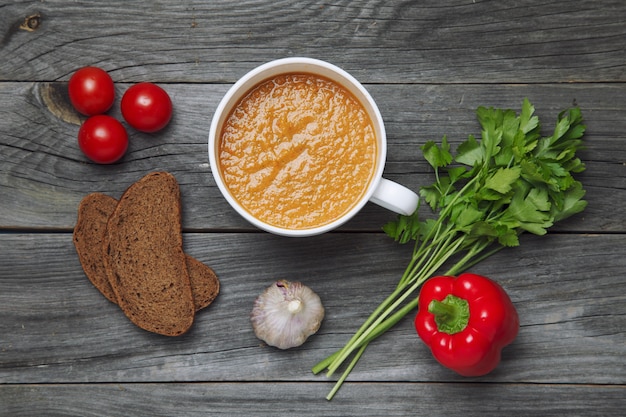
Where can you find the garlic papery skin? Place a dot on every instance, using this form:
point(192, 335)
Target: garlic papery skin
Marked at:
point(286, 314)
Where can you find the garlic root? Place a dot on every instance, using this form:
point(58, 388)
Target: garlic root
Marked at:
point(286, 314)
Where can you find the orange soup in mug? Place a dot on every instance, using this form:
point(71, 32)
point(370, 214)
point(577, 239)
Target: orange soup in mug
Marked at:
point(298, 151)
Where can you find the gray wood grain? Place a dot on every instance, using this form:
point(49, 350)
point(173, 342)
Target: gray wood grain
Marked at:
point(56, 327)
point(307, 399)
point(65, 350)
point(380, 41)
point(44, 175)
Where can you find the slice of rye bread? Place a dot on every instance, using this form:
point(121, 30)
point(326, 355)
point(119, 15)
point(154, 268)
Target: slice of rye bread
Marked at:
point(205, 285)
point(93, 213)
point(144, 259)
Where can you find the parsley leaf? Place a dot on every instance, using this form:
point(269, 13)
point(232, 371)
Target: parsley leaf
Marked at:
point(486, 194)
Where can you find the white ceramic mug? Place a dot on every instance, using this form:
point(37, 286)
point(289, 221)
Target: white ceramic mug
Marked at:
point(381, 191)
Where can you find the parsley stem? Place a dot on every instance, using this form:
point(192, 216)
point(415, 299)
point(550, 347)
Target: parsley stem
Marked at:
point(343, 377)
point(442, 253)
point(349, 347)
point(509, 182)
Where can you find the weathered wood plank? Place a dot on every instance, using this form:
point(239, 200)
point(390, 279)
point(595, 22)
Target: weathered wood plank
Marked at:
point(56, 328)
point(65, 350)
point(307, 399)
point(43, 174)
point(380, 41)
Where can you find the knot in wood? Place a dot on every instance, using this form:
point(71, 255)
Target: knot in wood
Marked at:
point(31, 23)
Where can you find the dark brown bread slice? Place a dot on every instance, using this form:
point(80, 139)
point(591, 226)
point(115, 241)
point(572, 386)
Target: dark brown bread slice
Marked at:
point(144, 258)
point(93, 213)
point(205, 285)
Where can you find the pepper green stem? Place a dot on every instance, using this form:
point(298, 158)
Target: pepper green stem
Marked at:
point(451, 314)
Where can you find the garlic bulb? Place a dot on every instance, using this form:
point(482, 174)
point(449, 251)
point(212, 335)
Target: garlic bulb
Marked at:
point(286, 314)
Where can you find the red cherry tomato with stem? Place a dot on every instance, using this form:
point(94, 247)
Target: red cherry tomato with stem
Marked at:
point(103, 139)
point(91, 91)
point(146, 107)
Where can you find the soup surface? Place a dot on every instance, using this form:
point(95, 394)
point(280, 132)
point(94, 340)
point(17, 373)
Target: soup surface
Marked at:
point(298, 151)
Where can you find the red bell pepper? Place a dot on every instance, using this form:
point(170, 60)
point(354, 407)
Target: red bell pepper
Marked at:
point(466, 321)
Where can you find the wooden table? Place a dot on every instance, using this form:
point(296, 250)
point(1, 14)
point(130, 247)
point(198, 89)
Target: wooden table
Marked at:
point(66, 350)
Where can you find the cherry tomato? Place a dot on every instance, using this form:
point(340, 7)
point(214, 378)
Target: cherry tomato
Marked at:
point(103, 139)
point(146, 107)
point(91, 91)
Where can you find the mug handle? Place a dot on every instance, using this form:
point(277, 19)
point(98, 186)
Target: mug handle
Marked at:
point(395, 197)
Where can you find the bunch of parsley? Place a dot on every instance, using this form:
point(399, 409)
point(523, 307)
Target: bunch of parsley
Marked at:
point(510, 181)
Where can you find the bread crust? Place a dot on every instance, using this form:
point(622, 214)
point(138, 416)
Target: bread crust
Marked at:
point(94, 211)
point(205, 285)
point(144, 259)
